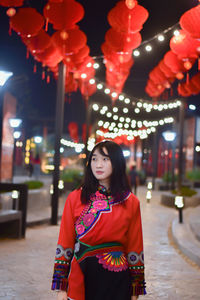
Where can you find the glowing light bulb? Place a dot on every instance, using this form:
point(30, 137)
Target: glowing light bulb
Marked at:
point(148, 48)
point(161, 38)
point(136, 53)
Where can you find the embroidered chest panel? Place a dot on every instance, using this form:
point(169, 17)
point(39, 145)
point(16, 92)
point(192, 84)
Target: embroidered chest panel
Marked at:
point(99, 203)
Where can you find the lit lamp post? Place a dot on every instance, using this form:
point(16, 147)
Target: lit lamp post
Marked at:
point(169, 137)
point(179, 202)
point(15, 124)
point(4, 76)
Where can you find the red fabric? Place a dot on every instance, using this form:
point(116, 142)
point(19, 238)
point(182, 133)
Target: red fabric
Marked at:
point(107, 228)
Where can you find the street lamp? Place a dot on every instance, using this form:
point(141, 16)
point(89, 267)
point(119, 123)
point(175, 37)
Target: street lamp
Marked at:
point(169, 137)
point(4, 76)
point(15, 124)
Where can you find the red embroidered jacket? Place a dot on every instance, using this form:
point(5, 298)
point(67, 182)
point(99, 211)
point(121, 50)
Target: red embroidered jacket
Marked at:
point(100, 222)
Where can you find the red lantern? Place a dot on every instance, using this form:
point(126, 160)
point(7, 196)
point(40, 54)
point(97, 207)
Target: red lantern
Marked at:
point(157, 76)
point(123, 19)
point(122, 41)
point(195, 81)
point(71, 85)
point(27, 22)
point(183, 91)
point(50, 56)
point(39, 42)
point(73, 131)
point(63, 15)
point(76, 39)
point(113, 56)
point(173, 62)
point(165, 69)
point(11, 3)
point(184, 46)
point(190, 22)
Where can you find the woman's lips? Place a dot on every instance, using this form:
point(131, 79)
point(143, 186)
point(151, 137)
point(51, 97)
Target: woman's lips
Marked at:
point(99, 172)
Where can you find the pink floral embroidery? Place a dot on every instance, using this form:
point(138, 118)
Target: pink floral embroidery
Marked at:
point(93, 210)
point(80, 229)
point(100, 204)
point(88, 219)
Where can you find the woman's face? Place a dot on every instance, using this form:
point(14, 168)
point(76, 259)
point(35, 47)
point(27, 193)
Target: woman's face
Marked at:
point(101, 167)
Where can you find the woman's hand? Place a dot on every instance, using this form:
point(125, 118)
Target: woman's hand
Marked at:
point(62, 295)
point(134, 298)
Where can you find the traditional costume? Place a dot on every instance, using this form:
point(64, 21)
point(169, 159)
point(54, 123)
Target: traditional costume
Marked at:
point(100, 248)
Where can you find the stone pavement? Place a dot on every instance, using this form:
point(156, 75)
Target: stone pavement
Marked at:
point(26, 265)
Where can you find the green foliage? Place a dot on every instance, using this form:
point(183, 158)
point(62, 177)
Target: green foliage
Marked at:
point(72, 176)
point(34, 184)
point(168, 177)
point(185, 192)
point(193, 175)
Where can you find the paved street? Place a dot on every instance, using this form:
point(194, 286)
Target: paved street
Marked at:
point(26, 265)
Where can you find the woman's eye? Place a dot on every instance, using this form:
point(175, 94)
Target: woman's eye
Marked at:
point(106, 158)
point(93, 158)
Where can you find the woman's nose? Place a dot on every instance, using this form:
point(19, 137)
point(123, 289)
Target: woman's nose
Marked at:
point(99, 163)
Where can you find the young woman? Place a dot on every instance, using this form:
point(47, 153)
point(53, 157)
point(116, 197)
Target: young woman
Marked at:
point(100, 247)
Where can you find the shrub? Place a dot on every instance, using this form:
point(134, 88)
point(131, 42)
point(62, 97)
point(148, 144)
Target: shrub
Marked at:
point(34, 184)
point(168, 177)
point(193, 175)
point(72, 176)
point(185, 192)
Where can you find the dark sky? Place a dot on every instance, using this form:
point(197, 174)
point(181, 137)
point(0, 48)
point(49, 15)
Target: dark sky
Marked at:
point(162, 15)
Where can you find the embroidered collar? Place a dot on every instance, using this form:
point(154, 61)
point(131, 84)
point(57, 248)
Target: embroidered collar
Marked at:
point(102, 189)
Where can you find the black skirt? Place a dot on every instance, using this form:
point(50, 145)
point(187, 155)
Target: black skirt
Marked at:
point(102, 284)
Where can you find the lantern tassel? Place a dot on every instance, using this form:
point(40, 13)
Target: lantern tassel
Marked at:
point(199, 63)
point(187, 78)
point(171, 91)
point(27, 53)
point(43, 75)
point(34, 68)
point(46, 24)
point(48, 78)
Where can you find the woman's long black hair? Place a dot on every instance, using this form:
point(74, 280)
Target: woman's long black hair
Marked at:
point(118, 182)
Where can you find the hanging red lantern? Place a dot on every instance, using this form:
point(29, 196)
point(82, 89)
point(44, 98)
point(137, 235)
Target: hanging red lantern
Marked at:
point(71, 85)
point(173, 62)
point(113, 56)
point(11, 3)
point(184, 46)
point(122, 41)
point(165, 69)
point(190, 22)
point(50, 56)
point(38, 43)
point(27, 22)
point(157, 76)
point(123, 19)
point(73, 131)
point(195, 80)
point(76, 39)
point(63, 15)
point(183, 91)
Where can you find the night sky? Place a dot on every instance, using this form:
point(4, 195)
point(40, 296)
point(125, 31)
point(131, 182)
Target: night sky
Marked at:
point(41, 97)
